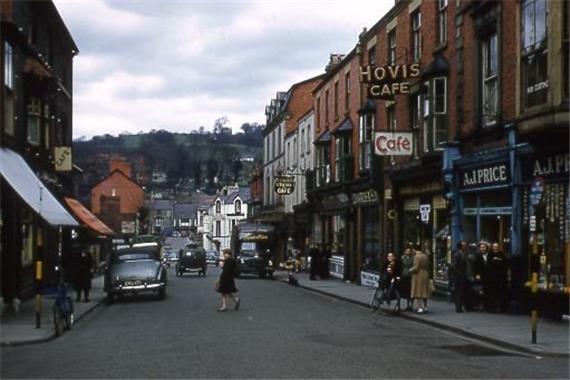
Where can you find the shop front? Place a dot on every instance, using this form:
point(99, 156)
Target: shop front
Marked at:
point(366, 207)
point(546, 225)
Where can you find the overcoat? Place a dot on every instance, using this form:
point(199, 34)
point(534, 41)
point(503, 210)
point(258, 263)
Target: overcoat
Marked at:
point(420, 276)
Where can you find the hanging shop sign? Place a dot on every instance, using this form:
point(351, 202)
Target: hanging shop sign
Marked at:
point(393, 144)
point(285, 184)
point(483, 176)
point(556, 166)
point(387, 81)
point(62, 158)
point(365, 198)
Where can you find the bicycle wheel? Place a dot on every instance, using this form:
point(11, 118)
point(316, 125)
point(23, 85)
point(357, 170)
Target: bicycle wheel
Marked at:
point(58, 321)
point(375, 303)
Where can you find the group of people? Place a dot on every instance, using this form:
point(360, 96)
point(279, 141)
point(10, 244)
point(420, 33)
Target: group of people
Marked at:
point(410, 274)
point(479, 277)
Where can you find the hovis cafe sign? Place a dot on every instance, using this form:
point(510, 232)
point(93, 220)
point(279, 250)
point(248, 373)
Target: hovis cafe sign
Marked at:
point(386, 81)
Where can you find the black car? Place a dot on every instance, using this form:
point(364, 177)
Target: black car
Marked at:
point(135, 270)
point(191, 259)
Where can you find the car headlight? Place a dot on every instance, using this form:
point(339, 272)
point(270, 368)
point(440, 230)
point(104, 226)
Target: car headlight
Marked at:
point(242, 261)
point(270, 263)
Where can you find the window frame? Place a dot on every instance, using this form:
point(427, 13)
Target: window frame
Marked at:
point(416, 35)
point(392, 47)
point(336, 100)
point(442, 21)
point(489, 78)
point(365, 137)
point(33, 121)
point(237, 206)
point(347, 91)
point(8, 66)
point(218, 207)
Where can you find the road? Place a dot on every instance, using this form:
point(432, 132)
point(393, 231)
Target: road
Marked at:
point(279, 332)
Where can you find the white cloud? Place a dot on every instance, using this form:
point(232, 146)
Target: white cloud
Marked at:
point(179, 65)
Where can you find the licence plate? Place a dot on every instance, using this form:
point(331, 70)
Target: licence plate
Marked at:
point(133, 283)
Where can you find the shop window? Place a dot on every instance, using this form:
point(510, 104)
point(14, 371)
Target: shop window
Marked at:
point(365, 141)
point(370, 240)
point(392, 47)
point(442, 21)
point(489, 82)
point(534, 52)
point(33, 121)
point(416, 36)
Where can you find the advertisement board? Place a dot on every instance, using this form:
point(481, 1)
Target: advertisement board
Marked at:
point(393, 144)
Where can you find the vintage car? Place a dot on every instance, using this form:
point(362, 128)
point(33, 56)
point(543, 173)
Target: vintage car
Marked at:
point(191, 259)
point(252, 244)
point(133, 271)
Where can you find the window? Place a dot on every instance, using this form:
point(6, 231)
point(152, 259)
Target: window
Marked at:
point(279, 146)
point(490, 98)
point(342, 156)
point(336, 100)
point(237, 205)
point(416, 36)
point(392, 48)
point(288, 155)
point(416, 118)
point(33, 121)
point(294, 157)
point(534, 52)
point(47, 125)
point(273, 152)
point(302, 142)
point(322, 167)
point(372, 56)
point(8, 66)
point(309, 138)
point(326, 106)
point(158, 222)
point(442, 21)
point(365, 140)
point(434, 123)
point(391, 118)
point(218, 227)
point(346, 91)
point(218, 207)
point(318, 113)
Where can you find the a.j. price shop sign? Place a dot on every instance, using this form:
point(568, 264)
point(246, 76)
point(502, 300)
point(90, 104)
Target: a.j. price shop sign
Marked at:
point(393, 144)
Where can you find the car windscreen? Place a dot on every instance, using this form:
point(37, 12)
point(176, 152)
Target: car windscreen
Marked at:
point(133, 256)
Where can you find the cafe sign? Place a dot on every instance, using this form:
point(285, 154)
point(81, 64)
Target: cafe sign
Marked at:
point(62, 158)
point(284, 185)
point(386, 81)
point(393, 144)
point(484, 176)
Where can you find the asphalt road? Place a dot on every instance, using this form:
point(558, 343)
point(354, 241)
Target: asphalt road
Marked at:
point(279, 332)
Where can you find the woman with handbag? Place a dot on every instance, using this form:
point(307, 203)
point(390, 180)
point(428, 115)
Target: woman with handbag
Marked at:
point(226, 285)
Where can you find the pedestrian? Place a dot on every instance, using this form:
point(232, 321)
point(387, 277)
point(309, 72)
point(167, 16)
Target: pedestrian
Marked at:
point(476, 268)
point(497, 272)
point(406, 263)
point(420, 281)
point(325, 256)
point(83, 275)
point(390, 271)
point(482, 270)
point(226, 284)
point(314, 260)
point(459, 270)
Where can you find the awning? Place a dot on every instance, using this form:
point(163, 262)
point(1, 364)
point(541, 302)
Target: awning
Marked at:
point(24, 181)
point(325, 138)
point(87, 218)
point(345, 127)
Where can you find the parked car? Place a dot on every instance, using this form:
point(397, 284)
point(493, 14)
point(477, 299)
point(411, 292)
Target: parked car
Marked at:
point(135, 270)
point(192, 259)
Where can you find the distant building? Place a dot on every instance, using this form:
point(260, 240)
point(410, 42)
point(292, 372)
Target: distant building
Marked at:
point(117, 199)
point(161, 215)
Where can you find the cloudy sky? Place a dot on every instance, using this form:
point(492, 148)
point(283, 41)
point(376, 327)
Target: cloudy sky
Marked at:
point(179, 65)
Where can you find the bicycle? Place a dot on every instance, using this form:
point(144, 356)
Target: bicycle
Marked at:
point(62, 310)
point(386, 293)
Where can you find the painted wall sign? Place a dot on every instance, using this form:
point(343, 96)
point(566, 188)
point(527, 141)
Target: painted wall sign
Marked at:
point(555, 166)
point(393, 144)
point(365, 198)
point(387, 81)
point(285, 184)
point(483, 176)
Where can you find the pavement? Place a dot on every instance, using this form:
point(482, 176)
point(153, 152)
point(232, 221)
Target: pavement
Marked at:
point(510, 331)
point(18, 328)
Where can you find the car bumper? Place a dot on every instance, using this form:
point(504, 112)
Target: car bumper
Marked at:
point(138, 288)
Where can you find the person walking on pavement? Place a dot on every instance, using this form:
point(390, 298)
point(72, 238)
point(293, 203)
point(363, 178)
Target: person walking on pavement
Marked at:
point(406, 263)
point(497, 273)
point(226, 284)
point(459, 269)
point(83, 275)
point(420, 281)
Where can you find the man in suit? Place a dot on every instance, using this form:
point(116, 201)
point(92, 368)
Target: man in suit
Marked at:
point(459, 269)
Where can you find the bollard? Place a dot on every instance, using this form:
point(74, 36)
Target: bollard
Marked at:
point(39, 276)
point(533, 312)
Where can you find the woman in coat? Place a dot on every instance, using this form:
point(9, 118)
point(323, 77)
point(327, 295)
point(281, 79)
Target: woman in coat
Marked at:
point(407, 262)
point(497, 272)
point(420, 281)
point(226, 284)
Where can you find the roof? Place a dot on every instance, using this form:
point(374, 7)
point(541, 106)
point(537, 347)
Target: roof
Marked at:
point(116, 171)
point(18, 174)
point(160, 204)
point(185, 210)
point(87, 218)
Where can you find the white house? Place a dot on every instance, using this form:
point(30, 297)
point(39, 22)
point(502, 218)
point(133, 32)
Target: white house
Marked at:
point(228, 209)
